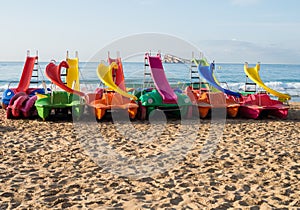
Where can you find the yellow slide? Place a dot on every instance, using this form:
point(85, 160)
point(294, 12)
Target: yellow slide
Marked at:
point(253, 74)
point(105, 74)
point(73, 73)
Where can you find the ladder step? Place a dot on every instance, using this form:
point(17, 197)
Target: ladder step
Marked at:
point(200, 83)
point(193, 71)
point(147, 73)
point(250, 83)
point(34, 82)
point(63, 75)
point(195, 78)
point(146, 64)
point(34, 76)
point(193, 66)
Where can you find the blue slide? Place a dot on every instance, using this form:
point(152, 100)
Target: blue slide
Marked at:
point(206, 72)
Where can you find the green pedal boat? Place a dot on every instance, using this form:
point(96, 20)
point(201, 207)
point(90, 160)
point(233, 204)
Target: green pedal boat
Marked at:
point(60, 102)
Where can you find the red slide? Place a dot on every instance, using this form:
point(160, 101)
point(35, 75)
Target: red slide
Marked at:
point(26, 74)
point(53, 73)
point(119, 74)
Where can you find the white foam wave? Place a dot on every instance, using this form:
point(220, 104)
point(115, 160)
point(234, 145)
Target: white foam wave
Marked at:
point(292, 88)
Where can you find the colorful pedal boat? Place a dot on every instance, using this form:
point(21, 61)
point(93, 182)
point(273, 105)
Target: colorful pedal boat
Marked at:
point(110, 101)
point(257, 105)
point(205, 101)
point(59, 100)
point(21, 105)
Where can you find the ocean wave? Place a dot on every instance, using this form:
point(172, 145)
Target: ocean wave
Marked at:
point(292, 88)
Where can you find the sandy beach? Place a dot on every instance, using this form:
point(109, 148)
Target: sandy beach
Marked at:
point(256, 165)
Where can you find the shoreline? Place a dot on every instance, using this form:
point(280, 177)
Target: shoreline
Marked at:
point(45, 165)
point(294, 111)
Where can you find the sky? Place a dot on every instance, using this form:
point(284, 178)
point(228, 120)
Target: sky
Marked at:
point(224, 30)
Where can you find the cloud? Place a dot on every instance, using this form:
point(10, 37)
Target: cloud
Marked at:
point(244, 2)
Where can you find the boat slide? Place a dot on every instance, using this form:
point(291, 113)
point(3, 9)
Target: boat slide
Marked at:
point(253, 74)
point(161, 97)
point(53, 72)
point(19, 101)
point(26, 74)
point(206, 72)
point(61, 100)
point(216, 97)
point(118, 74)
point(99, 102)
point(160, 80)
point(105, 74)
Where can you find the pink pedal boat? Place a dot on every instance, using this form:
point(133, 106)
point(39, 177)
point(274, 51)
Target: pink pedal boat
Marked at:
point(257, 105)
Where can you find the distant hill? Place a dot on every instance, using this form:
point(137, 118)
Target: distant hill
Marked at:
point(174, 59)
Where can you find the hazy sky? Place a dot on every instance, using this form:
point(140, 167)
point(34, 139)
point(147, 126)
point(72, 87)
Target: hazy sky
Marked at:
point(225, 30)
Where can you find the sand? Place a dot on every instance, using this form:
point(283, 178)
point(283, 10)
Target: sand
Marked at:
point(45, 165)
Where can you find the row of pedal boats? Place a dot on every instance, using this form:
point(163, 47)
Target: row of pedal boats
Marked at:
point(201, 100)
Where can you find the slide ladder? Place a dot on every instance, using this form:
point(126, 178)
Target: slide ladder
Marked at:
point(194, 76)
point(148, 82)
point(201, 85)
point(63, 75)
point(35, 70)
point(250, 87)
point(196, 81)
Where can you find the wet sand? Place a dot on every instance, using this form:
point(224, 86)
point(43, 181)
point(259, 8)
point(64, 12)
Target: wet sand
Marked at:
point(255, 165)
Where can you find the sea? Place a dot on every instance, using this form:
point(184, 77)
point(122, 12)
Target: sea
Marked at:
point(284, 78)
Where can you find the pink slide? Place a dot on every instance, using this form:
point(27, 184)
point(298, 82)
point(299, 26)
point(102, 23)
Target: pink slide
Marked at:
point(53, 73)
point(26, 74)
point(160, 80)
